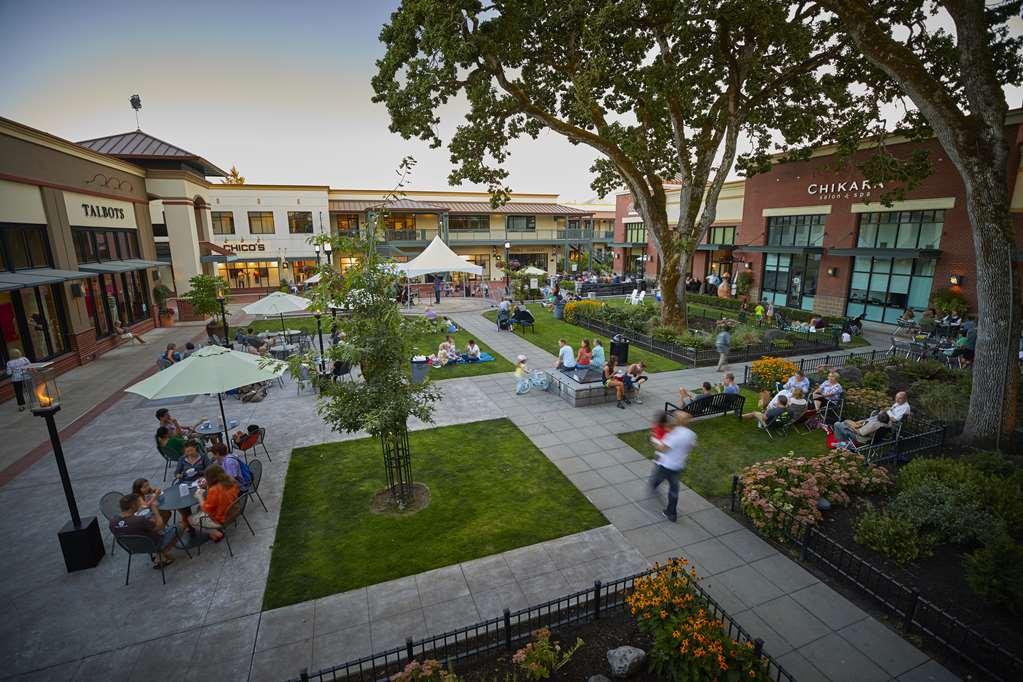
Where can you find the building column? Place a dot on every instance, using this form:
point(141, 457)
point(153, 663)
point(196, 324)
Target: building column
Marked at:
point(182, 231)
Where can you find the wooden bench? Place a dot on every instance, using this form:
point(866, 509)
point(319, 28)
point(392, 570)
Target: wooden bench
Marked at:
point(707, 405)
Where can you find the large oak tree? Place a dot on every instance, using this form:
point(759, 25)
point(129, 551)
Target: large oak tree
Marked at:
point(661, 89)
point(954, 80)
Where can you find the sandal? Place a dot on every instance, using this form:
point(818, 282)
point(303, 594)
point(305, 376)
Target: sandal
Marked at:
point(165, 563)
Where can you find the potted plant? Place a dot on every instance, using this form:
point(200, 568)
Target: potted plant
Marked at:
point(202, 298)
point(949, 300)
point(161, 294)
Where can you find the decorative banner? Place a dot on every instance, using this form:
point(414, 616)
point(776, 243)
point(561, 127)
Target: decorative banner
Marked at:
point(534, 283)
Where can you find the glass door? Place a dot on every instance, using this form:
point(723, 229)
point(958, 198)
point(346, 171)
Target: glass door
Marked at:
point(795, 290)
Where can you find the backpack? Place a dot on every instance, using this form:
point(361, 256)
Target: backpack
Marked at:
point(245, 480)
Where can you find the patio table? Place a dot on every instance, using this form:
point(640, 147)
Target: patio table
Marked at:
point(209, 431)
point(171, 499)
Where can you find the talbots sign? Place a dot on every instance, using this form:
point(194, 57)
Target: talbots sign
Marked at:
point(850, 189)
point(94, 211)
point(84, 210)
point(244, 246)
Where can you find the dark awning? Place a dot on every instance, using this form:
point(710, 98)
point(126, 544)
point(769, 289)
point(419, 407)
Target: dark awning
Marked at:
point(129, 265)
point(218, 258)
point(715, 247)
point(886, 253)
point(37, 276)
point(774, 248)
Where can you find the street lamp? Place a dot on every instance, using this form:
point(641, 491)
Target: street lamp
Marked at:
point(80, 540)
point(223, 317)
point(316, 248)
point(507, 248)
point(327, 248)
point(319, 332)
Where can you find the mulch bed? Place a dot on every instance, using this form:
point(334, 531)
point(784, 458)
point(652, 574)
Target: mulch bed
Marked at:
point(613, 630)
point(939, 578)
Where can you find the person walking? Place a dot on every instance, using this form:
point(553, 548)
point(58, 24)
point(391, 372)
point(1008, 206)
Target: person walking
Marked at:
point(17, 370)
point(436, 288)
point(672, 455)
point(723, 344)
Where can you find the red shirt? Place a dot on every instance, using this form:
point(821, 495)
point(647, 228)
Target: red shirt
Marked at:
point(657, 432)
point(584, 357)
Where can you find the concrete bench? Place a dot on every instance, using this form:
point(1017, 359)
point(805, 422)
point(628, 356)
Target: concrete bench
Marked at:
point(589, 391)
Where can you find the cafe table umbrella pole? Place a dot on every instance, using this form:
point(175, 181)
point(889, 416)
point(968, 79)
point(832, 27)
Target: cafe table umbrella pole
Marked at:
point(284, 330)
point(223, 420)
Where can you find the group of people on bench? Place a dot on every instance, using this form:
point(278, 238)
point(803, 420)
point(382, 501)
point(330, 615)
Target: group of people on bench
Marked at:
point(626, 380)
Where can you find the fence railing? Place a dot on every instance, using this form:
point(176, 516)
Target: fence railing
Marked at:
point(807, 365)
point(797, 344)
point(490, 637)
point(916, 613)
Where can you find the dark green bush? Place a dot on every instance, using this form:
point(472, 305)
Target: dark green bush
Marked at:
point(991, 463)
point(892, 536)
point(782, 343)
point(951, 472)
point(876, 380)
point(995, 573)
point(949, 513)
point(941, 400)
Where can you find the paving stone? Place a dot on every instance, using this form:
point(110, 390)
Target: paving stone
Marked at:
point(163, 658)
point(712, 556)
point(222, 668)
point(238, 635)
point(931, 671)
point(487, 573)
point(582, 576)
point(629, 456)
point(829, 606)
point(390, 632)
point(441, 585)
point(883, 646)
point(65, 672)
point(528, 425)
point(544, 439)
point(557, 451)
point(725, 598)
point(606, 497)
point(749, 585)
point(641, 468)
point(569, 436)
point(598, 460)
point(541, 588)
point(626, 563)
point(341, 646)
point(618, 473)
point(840, 661)
point(650, 540)
point(684, 531)
point(606, 540)
point(606, 442)
point(285, 625)
point(571, 465)
point(774, 644)
point(110, 665)
point(800, 668)
point(587, 480)
point(628, 516)
point(451, 615)
point(689, 502)
point(747, 545)
point(784, 572)
point(570, 551)
point(637, 490)
point(284, 662)
point(526, 562)
point(716, 521)
point(394, 596)
point(791, 621)
point(492, 603)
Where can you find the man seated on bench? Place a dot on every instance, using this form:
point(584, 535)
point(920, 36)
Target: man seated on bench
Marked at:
point(768, 416)
point(687, 397)
point(566, 358)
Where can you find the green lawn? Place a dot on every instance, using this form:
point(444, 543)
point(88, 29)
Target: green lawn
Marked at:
point(491, 490)
point(726, 445)
point(549, 330)
point(427, 345)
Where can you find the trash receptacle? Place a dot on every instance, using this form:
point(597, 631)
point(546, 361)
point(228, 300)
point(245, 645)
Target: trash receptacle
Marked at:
point(420, 370)
point(620, 348)
point(559, 310)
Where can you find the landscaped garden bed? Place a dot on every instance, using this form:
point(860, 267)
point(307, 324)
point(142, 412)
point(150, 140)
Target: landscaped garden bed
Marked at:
point(491, 490)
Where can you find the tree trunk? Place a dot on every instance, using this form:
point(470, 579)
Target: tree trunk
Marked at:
point(673, 302)
point(993, 400)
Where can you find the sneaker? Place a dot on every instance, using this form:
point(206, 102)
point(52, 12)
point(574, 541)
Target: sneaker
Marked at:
point(639, 401)
point(673, 519)
point(619, 405)
point(628, 402)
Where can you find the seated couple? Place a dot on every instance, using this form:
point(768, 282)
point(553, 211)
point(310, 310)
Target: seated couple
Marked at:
point(707, 389)
point(624, 380)
point(795, 405)
point(863, 430)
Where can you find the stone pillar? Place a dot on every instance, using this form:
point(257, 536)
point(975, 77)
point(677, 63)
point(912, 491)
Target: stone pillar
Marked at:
point(182, 231)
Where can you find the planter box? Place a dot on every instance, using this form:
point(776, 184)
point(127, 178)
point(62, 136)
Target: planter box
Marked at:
point(185, 313)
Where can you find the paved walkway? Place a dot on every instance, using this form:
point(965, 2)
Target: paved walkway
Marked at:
point(206, 622)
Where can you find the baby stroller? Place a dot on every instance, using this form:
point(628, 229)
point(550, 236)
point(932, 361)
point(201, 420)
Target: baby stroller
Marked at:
point(503, 320)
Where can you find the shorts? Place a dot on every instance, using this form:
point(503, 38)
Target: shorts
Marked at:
point(168, 536)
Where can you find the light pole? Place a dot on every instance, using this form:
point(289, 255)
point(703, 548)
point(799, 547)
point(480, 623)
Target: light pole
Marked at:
point(319, 332)
point(80, 540)
point(223, 318)
point(507, 264)
point(316, 248)
point(327, 248)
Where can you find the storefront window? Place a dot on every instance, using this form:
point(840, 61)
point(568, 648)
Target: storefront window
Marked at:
point(469, 223)
point(9, 327)
point(635, 233)
point(796, 230)
point(251, 274)
point(24, 246)
point(103, 246)
point(46, 331)
point(791, 279)
point(112, 297)
point(901, 229)
point(346, 224)
point(721, 235)
point(96, 307)
point(883, 288)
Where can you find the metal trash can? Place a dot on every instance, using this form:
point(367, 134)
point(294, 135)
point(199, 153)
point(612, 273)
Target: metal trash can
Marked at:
point(420, 370)
point(620, 348)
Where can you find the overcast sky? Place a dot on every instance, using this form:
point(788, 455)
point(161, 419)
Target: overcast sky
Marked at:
point(280, 89)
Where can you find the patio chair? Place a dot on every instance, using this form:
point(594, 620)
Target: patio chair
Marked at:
point(231, 518)
point(832, 409)
point(808, 417)
point(163, 363)
point(168, 457)
point(142, 544)
point(256, 468)
point(260, 441)
point(341, 369)
point(110, 507)
point(778, 425)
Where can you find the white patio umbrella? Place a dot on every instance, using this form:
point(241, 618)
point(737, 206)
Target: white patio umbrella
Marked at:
point(278, 303)
point(211, 369)
point(532, 270)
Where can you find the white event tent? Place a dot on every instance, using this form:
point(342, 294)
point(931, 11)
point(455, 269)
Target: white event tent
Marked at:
point(435, 258)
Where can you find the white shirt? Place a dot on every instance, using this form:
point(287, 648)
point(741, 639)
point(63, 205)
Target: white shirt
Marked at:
point(793, 382)
point(680, 441)
point(565, 357)
point(897, 411)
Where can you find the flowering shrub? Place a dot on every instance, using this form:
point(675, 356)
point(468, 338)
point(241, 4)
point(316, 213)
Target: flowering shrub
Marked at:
point(583, 308)
point(867, 399)
point(688, 642)
point(765, 371)
point(540, 658)
point(429, 669)
point(795, 484)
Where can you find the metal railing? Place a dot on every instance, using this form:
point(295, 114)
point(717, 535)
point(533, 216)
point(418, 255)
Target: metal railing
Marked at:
point(916, 613)
point(502, 635)
point(807, 365)
point(416, 235)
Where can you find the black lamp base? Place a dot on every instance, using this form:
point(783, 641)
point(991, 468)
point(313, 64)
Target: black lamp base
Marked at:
point(83, 547)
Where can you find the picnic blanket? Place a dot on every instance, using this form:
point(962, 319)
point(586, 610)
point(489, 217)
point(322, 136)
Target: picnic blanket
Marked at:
point(462, 360)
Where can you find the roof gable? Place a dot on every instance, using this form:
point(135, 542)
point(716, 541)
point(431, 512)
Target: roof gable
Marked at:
point(139, 145)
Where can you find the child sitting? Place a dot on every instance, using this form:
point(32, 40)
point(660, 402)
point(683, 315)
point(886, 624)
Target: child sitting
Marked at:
point(521, 376)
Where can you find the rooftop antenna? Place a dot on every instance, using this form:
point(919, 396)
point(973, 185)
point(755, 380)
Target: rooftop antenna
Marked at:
point(136, 104)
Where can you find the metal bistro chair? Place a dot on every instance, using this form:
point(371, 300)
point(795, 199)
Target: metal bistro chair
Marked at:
point(110, 507)
point(143, 544)
point(259, 442)
point(168, 457)
point(234, 511)
point(256, 467)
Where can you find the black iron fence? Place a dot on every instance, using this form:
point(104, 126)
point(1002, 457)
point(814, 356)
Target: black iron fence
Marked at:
point(916, 613)
point(795, 343)
point(807, 365)
point(502, 635)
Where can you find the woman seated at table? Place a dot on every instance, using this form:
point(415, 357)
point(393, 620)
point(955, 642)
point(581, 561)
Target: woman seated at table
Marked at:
point(192, 465)
point(149, 494)
point(215, 500)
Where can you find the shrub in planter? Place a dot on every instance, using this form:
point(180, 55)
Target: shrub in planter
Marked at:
point(949, 300)
point(866, 399)
point(946, 513)
point(857, 361)
point(665, 333)
point(688, 642)
point(744, 335)
point(892, 536)
point(768, 370)
point(876, 380)
point(948, 471)
point(692, 340)
point(584, 308)
point(992, 463)
point(1003, 495)
point(995, 573)
point(942, 401)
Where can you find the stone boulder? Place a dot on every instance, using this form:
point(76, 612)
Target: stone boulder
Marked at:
point(599, 678)
point(625, 660)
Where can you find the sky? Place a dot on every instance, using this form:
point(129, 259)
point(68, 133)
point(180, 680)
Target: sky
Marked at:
point(279, 89)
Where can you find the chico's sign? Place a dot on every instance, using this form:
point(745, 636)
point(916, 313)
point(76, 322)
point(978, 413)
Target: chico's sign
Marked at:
point(850, 189)
point(243, 246)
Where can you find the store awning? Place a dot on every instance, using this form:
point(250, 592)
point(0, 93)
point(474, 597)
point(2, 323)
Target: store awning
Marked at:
point(37, 276)
point(715, 247)
point(886, 253)
point(218, 258)
point(130, 265)
point(774, 248)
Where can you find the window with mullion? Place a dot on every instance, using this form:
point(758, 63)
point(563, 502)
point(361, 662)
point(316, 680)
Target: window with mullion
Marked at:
point(796, 230)
point(222, 222)
point(300, 222)
point(901, 229)
point(261, 222)
point(24, 247)
point(521, 223)
point(469, 223)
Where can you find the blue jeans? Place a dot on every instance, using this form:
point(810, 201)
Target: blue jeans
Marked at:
point(842, 432)
point(661, 474)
